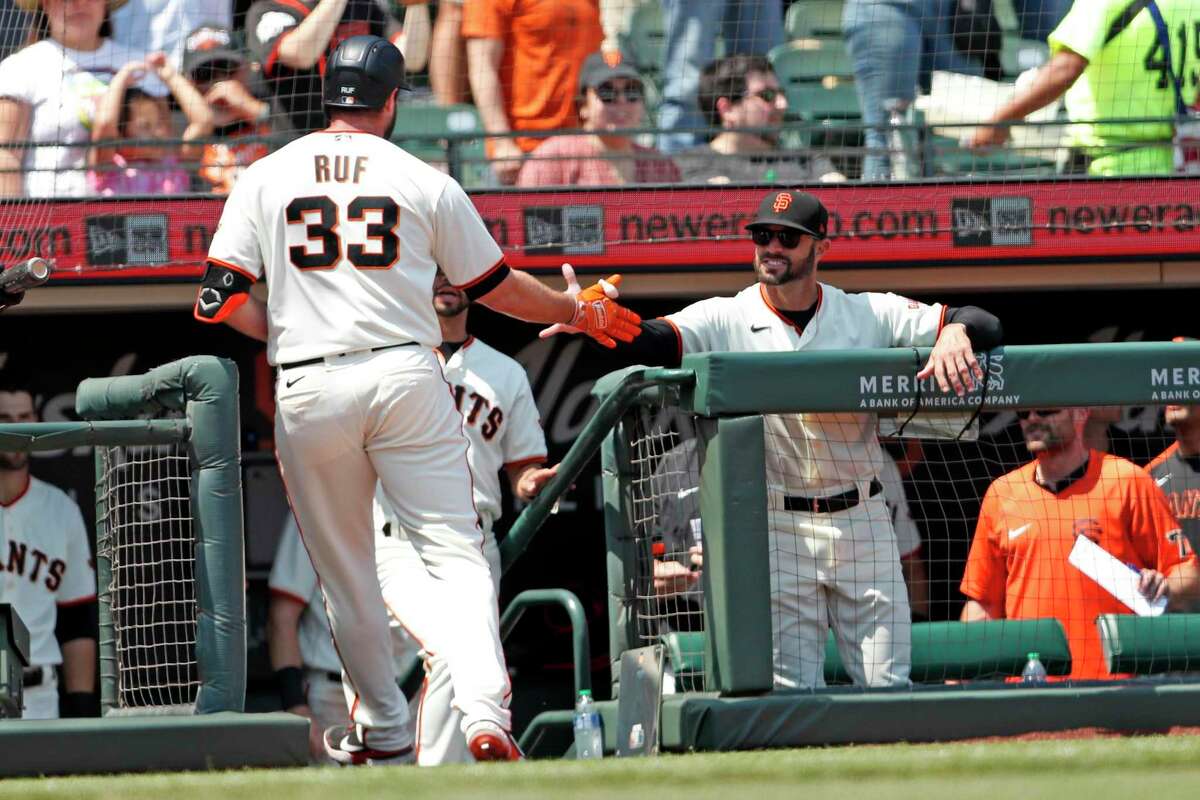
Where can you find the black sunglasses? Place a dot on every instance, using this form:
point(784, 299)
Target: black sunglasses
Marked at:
point(766, 95)
point(608, 93)
point(787, 237)
point(1041, 412)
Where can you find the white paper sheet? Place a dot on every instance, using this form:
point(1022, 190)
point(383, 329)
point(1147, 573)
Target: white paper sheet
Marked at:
point(1118, 579)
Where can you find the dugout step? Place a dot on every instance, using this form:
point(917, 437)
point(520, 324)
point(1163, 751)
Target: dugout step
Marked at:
point(225, 740)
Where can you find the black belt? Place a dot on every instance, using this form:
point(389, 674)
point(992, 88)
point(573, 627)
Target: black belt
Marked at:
point(32, 676)
point(308, 362)
point(336, 677)
point(827, 505)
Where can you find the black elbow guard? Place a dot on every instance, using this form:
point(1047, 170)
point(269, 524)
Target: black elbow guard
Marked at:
point(222, 292)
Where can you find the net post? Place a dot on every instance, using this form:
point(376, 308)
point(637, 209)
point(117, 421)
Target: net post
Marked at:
point(107, 644)
point(621, 547)
point(737, 575)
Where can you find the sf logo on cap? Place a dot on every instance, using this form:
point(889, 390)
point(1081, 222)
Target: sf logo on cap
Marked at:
point(782, 201)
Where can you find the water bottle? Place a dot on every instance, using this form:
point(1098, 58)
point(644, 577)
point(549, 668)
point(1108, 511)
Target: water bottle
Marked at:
point(589, 738)
point(1034, 673)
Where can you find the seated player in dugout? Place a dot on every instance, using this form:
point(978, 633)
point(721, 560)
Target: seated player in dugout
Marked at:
point(823, 469)
point(1018, 567)
point(1177, 469)
point(48, 577)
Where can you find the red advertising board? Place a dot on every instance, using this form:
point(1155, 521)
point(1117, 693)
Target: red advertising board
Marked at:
point(684, 229)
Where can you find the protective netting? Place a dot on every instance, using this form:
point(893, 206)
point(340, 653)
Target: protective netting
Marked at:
point(864, 545)
point(146, 531)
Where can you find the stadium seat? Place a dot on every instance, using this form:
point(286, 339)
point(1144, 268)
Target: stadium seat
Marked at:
point(1018, 55)
point(426, 131)
point(808, 101)
point(813, 19)
point(646, 40)
point(811, 61)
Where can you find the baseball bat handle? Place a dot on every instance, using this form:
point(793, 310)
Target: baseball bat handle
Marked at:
point(26, 275)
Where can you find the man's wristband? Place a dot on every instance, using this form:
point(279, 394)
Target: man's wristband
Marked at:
point(290, 681)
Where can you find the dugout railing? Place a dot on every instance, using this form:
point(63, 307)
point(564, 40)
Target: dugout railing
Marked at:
point(170, 583)
point(722, 637)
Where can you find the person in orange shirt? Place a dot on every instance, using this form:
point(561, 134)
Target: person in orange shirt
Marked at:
point(523, 62)
point(1018, 568)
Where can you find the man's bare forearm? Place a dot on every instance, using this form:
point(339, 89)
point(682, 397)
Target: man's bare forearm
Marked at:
point(304, 46)
point(523, 297)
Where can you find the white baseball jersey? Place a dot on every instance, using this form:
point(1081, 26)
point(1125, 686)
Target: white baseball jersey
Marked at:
point(352, 246)
point(812, 454)
point(44, 563)
point(292, 576)
point(500, 418)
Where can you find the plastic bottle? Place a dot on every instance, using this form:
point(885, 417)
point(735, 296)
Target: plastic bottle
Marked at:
point(1034, 673)
point(589, 737)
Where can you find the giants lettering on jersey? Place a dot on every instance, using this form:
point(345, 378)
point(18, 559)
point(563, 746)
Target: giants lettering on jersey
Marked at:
point(25, 561)
point(476, 405)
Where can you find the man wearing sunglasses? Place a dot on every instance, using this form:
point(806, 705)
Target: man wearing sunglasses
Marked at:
point(1018, 567)
point(611, 101)
point(742, 100)
point(833, 548)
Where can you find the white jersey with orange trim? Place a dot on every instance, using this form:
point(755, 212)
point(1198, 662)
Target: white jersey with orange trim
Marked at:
point(350, 247)
point(45, 563)
point(812, 454)
point(500, 419)
point(834, 557)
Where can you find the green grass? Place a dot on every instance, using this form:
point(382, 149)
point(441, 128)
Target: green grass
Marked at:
point(1155, 766)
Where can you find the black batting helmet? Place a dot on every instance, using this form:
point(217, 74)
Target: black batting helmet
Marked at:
point(362, 73)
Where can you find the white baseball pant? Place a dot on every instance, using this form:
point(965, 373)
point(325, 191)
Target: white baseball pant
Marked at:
point(441, 723)
point(840, 568)
point(41, 701)
point(342, 424)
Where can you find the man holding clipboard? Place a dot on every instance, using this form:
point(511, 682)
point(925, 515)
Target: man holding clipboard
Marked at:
point(1020, 562)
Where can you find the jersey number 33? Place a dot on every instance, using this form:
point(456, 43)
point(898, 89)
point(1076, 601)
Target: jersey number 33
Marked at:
point(326, 246)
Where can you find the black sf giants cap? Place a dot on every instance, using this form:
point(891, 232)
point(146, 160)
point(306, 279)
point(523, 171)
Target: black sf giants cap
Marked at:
point(791, 209)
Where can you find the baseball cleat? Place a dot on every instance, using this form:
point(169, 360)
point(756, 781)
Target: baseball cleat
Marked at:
point(489, 742)
point(344, 746)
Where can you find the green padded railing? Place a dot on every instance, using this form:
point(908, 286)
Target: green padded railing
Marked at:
point(941, 651)
point(1150, 645)
point(205, 388)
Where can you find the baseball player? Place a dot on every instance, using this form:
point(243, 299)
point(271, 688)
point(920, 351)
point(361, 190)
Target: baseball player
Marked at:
point(834, 557)
point(1018, 568)
point(1176, 470)
point(47, 574)
point(500, 419)
point(348, 230)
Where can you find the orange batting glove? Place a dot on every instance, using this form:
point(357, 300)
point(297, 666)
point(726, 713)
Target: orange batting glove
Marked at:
point(596, 313)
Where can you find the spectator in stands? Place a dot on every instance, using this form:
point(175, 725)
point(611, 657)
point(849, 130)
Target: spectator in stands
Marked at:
point(129, 113)
point(1099, 65)
point(523, 61)
point(221, 73)
point(49, 577)
point(741, 97)
point(448, 59)
point(612, 98)
point(1017, 567)
point(895, 46)
point(291, 38)
point(148, 26)
point(49, 92)
point(748, 27)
